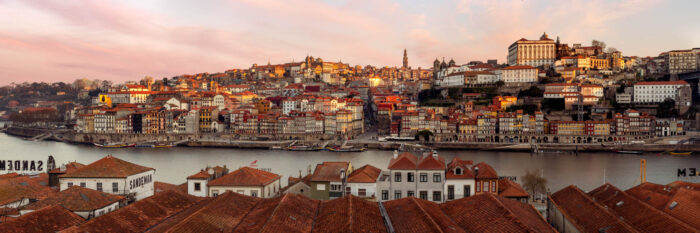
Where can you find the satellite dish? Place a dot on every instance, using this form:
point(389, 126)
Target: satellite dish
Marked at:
point(210, 171)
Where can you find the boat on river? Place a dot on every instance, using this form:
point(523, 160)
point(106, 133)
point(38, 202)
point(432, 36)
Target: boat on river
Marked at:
point(114, 145)
point(629, 152)
point(303, 148)
point(345, 149)
point(680, 153)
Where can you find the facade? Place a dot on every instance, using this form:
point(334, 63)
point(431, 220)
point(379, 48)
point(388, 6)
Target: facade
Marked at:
point(532, 52)
point(197, 184)
point(411, 176)
point(114, 176)
point(681, 61)
point(519, 74)
point(329, 180)
point(246, 181)
point(657, 92)
point(459, 180)
point(85, 202)
point(486, 179)
point(362, 182)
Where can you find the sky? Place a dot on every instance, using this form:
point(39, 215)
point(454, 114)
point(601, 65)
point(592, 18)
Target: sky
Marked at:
point(63, 40)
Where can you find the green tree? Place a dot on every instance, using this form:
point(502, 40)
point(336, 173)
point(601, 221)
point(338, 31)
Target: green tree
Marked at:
point(667, 109)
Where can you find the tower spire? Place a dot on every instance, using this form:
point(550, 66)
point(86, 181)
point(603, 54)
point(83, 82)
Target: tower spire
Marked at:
point(405, 59)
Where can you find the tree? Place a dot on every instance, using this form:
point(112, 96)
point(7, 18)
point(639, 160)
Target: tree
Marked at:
point(534, 183)
point(667, 109)
point(611, 50)
point(425, 133)
point(598, 43)
point(500, 83)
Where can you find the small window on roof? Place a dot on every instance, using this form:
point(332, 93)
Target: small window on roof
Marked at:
point(458, 171)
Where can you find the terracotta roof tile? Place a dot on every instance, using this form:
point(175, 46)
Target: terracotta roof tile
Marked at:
point(329, 171)
point(288, 213)
point(245, 176)
point(431, 162)
point(464, 165)
point(25, 186)
point(484, 171)
point(48, 219)
point(585, 214)
point(490, 213)
point(162, 187)
point(220, 214)
point(655, 195)
point(640, 215)
point(349, 214)
point(77, 198)
point(417, 216)
point(107, 167)
point(685, 206)
point(70, 167)
point(141, 215)
point(508, 188)
point(404, 161)
point(364, 174)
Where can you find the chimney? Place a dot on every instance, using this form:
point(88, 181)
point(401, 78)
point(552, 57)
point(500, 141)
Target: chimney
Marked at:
point(435, 154)
point(396, 153)
point(342, 173)
point(476, 171)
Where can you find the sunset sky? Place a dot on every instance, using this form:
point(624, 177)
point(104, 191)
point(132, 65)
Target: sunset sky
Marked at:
point(125, 40)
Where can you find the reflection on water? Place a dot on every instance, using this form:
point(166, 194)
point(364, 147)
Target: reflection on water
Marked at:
point(173, 165)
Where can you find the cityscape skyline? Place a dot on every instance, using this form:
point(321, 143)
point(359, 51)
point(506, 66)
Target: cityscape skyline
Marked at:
point(64, 40)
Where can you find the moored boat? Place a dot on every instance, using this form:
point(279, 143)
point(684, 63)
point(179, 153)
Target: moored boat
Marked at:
point(628, 152)
point(303, 148)
point(114, 145)
point(346, 149)
point(680, 153)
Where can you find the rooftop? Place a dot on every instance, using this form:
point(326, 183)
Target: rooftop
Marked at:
point(77, 198)
point(245, 176)
point(48, 219)
point(107, 167)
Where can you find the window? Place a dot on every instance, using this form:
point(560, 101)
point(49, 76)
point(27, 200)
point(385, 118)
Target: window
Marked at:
point(397, 177)
point(362, 192)
point(458, 171)
point(478, 186)
point(423, 177)
point(450, 192)
point(82, 184)
point(410, 177)
point(115, 187)
point(99, 186)
point(385, 195)
point(197, 186)
point(397, 195)
point(493, 186)
point(348, 190)
point(320, 187)
point(437, 178)
point(70, 184)
point(410, 193)
point(424, 195)
point(467, 190)
point(486, 186)
point(253, 193)
point(215, 193)
point(437, 195)
point(336, 187)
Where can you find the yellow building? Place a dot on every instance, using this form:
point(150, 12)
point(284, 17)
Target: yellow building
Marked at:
point(600, 63)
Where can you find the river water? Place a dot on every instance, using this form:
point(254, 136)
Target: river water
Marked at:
point(173, 165)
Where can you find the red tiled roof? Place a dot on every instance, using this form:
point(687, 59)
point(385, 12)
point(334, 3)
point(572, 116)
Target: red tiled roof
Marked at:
point(77, 198)
point(329, 171)
point(679, 82)
point(417, 215)
point(640, 215)
point(201, 175)
point(655, 195)
point(48, 219)
point(585, 214)
point(364, 174)
point(404, 161)
point(490, 213)
point(349, 214)
point(431, 162)
point(141, 215)
point(70, 167)
point(464, 165)
point(508, 188)
point(484, 171)
point(288, 213)
point(683, 184)
point(245, 176)
point(107, 167)
point(518, 67)
point(686, 206)
point(220, 214)
point(161, 187)
point(20, 187)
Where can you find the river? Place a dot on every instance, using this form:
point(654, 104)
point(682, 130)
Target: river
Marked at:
point(173, 165)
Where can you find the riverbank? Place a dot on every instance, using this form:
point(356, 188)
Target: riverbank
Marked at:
point(227, 141)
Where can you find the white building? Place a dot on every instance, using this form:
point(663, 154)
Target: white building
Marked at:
point(112, 175)
point(459, 180)
point(532, 52)
point(197, 184)
point(247, 181)
point(362, 182)
point(85, 202)
point(657, 92)
point(519, 74)
point(288, 105)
